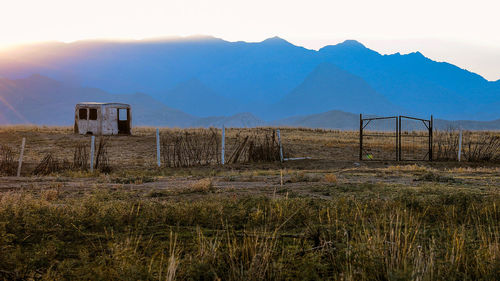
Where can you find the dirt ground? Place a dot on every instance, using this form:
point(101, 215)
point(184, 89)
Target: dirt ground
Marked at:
point(301, 179)
point(333, 165)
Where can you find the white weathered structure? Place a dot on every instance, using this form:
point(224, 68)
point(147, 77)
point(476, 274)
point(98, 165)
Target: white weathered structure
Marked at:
point(98, 118)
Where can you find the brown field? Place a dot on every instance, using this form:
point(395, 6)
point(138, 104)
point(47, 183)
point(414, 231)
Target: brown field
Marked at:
point(330, 217)
point(139, 150)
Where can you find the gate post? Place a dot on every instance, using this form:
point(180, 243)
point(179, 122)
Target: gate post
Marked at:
point(431, 129)
point(399, 139)
point(360, 137)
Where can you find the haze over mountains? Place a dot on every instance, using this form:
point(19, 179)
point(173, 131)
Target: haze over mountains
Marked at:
point(187, 82)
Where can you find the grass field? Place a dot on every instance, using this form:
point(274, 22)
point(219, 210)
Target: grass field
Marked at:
point(327, 218)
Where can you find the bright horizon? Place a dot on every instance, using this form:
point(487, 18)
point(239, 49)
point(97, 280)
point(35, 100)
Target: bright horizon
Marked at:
point(457, 32)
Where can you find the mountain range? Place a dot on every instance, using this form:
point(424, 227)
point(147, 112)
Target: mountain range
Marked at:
point(204, 81)
point(43, 101)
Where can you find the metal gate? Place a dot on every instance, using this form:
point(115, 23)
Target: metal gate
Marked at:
point(396, 138)
point(378, 138)
point(415, 139)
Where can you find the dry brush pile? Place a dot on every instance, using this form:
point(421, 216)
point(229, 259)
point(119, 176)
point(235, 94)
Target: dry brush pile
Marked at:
point(51, 164)
point(253, 145)
point(195, 147)
point(476, 146)
point(191, 147)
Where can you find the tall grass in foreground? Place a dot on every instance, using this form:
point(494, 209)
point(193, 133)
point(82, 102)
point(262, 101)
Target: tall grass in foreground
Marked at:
point(116, 236)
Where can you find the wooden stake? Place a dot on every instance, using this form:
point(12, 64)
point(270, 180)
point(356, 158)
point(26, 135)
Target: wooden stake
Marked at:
point(21, 158)
point(459, 145)
point(281, 147)
point(281, 184)
point(223, 144)
point(158, 147)
point(281, 176)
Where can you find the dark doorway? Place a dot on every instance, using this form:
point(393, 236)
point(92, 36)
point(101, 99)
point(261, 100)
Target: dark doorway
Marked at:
point(123, 121)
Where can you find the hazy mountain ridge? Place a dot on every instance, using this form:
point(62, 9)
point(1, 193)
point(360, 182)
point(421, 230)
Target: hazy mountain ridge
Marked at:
point(328, 87)
point(340, 120)
point(43, 101)
point(194, 97)
point(247, 77)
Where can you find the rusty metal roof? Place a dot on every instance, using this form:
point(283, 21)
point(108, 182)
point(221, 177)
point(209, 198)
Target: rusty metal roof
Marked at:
point(112, 104)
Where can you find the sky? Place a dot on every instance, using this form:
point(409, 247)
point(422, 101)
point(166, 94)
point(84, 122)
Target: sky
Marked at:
point(465, 33)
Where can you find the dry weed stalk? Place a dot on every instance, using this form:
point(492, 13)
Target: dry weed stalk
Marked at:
point(101, 158)
point(7, 161)
point(49, 165)
point(80, 157)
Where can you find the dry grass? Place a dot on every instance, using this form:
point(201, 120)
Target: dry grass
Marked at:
point(50, 194)
point(204, 185)
point(412, 234)
point(408, 168)
point(330, 178)
point(327, 220)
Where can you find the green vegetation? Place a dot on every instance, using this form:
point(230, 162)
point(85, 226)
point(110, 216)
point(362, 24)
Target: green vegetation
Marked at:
point(375, 232)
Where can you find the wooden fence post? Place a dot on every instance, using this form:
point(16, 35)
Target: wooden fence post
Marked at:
point(21, 157)
point(92, 148)
point(459, 145)
point(158, 148)
point(223, 144)
point(281, 147)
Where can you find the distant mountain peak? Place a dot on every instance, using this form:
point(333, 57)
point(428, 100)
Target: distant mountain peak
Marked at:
point(349, 47)
point(276, 40)
point(39, 79)
point(417, 54)
point(37, 76)
point(201, 37)
point(352, 43)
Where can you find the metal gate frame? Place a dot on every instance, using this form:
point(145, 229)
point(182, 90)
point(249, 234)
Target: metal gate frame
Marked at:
point(362, 125)
point(363, 122)
point(428, 123)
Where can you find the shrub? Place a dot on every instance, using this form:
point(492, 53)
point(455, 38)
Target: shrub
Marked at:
point(7, 162)
point(204, 185)
point(331, 178)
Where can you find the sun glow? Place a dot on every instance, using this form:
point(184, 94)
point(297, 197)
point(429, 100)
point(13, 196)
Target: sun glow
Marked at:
point(9, 106)
point(389, 25)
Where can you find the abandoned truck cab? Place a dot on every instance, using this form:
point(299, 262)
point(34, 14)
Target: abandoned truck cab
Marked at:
point(97, 118)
